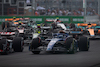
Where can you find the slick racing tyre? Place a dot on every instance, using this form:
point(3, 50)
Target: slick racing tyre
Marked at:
point(70, 45)
point(83, 43)
point(36, 42)
point(34, 45)
point(18, 44)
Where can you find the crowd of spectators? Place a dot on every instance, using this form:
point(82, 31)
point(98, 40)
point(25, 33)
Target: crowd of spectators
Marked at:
point(68, 7)
point(63, 12)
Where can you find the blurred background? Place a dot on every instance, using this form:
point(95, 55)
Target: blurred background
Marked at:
point(50, 8)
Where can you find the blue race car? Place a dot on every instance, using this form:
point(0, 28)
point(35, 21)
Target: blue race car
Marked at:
point(59, 43)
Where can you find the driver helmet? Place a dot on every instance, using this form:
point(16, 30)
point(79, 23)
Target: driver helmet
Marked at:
point(19, 27)
point(19, 22)
point(14, 17)
point(57, 18)
point(38, 25)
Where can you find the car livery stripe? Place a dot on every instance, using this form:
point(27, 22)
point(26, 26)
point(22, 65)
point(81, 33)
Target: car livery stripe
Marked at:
point(51, 44)
point(91, 31)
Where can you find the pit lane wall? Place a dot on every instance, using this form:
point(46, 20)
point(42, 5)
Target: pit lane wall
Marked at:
point(41, 19)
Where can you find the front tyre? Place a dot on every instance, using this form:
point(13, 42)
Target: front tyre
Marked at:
point(70, 45)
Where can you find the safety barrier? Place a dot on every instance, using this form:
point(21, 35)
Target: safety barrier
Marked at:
point(41, 19)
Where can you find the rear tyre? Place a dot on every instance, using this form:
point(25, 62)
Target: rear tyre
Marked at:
point(18, 44)
point(36, 42)
point(83, 43)
point(70, 45)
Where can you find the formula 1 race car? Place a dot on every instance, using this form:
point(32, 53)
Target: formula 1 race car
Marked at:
point(42, 29)
point(57, 24)
point(20, 31)
point(32, 24)
point(12, 22)
point(90, 30)
point(14, 40)
point(59, 43)
point(63, 26)
point(11, 45)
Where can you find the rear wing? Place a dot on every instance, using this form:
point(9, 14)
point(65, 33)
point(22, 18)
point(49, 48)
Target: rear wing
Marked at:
point(7, 33)
point(11, 19)
point(24, 18)
point(86, 24)
point(52, 21)
point(49, 20)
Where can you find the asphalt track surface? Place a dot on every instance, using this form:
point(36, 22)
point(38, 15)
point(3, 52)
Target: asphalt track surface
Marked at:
point(26, 58)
